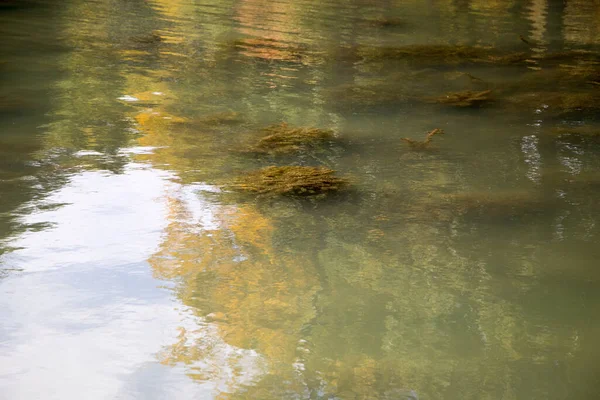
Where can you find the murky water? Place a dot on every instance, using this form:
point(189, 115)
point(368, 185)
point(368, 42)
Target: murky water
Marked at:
point(466, 268)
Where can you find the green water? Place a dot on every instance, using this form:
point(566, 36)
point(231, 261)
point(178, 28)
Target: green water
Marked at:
point(129, 269)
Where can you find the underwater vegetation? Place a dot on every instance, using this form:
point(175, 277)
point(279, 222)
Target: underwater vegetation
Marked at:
point(152, 38)
point(272, 50)
point(422, 145)
point(369, 94)
point(291, 180)
point(221, 118)
point(465, 98)
point(437, 54)
point(281, 138)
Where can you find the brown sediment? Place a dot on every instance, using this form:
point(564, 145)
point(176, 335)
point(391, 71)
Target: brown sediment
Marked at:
point(565, 78)
point(421, 145)
point(465, 98)
point(385, 22)
point(371, 94)
point(580, 130)
point(571, 55)
point(291, 180)
point(498, 204)
point(443, 54)
point(15, 104)
point(556, 103)
point(282, 138)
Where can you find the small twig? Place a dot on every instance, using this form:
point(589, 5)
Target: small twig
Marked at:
point(473, 78)
point(416, 144)
point(527, 42)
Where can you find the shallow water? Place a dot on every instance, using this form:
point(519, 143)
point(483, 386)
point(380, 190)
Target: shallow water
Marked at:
point(130, 270)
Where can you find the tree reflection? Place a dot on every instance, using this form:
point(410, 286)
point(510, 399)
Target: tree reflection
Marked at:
point(367, 298)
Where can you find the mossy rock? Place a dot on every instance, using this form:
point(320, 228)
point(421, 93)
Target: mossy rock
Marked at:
point(291, 180)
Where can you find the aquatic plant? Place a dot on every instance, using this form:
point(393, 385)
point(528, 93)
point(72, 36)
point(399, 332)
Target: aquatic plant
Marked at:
point(571, 55)
point(506, 59)
point(437, 53)
point(152, 38)
point(221, 118)
point(291, 180)
point(421, 145)
point(271, 49)
point(465, 98)
point(282, 138)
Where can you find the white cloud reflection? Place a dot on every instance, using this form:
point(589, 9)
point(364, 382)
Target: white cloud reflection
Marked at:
point(85, 318)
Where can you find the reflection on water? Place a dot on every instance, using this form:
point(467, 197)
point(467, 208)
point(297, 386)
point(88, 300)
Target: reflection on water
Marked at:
point(463, 268)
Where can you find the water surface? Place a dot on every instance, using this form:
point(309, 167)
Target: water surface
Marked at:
point(130, 270)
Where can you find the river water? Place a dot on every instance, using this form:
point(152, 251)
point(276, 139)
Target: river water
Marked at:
point(466, 268)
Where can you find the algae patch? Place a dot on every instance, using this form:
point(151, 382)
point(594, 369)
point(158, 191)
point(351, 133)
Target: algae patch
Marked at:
point(291, 180)
point(282, 139)
point(465, 98)
point(149, 39)
point(221, 118)
point(443, 54)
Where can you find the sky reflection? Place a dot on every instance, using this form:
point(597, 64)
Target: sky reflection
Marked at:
point(85, 315)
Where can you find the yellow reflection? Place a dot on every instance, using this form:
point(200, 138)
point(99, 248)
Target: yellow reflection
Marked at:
point(581, 22)
point(257, 298)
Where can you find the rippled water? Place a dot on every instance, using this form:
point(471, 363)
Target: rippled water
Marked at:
point(129, 269)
